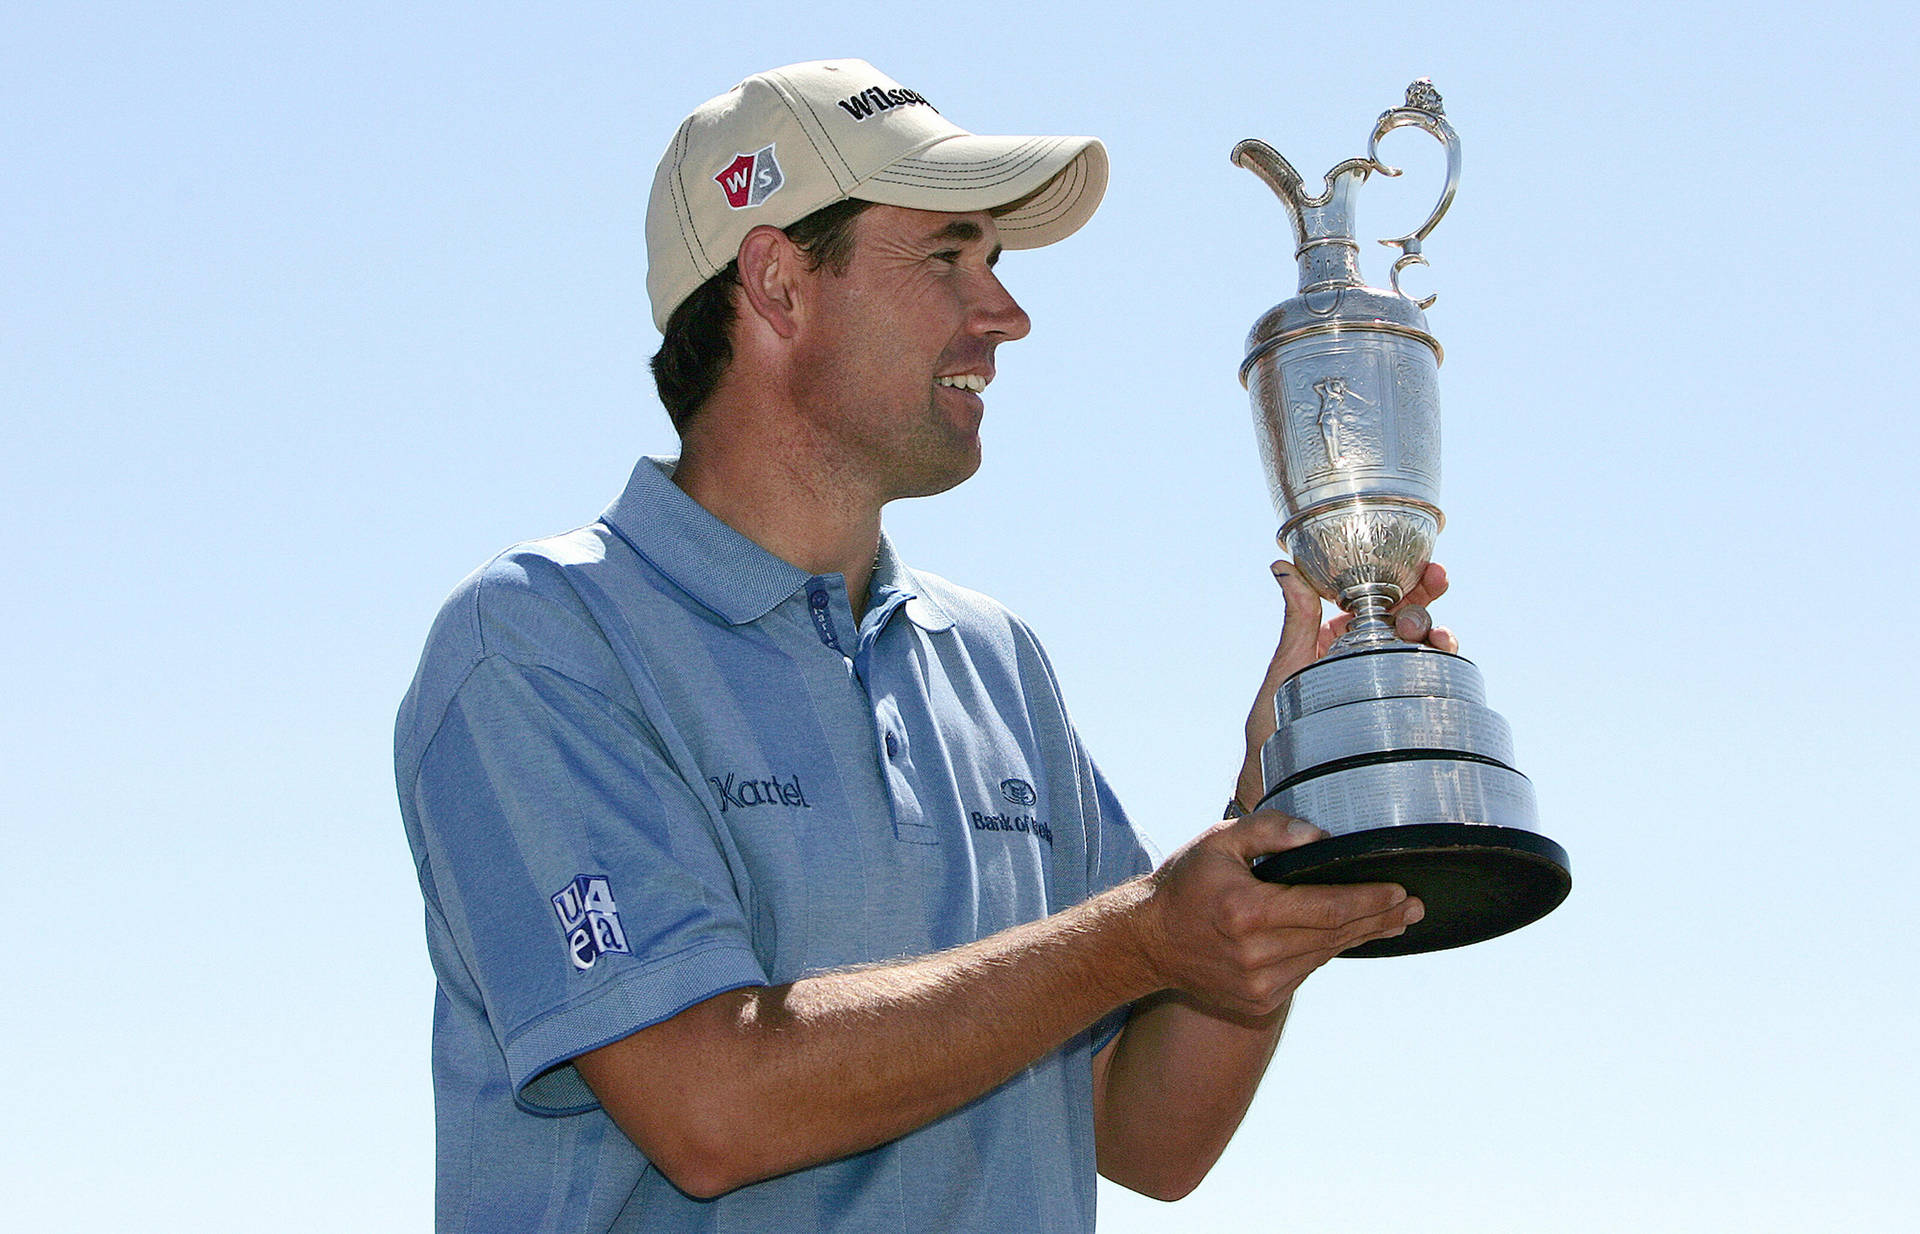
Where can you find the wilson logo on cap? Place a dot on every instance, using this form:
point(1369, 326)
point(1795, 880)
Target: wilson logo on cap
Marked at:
point(750, 179)
point(875, 98)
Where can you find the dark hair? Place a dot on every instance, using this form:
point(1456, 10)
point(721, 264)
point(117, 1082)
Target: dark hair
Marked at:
point(696, 350)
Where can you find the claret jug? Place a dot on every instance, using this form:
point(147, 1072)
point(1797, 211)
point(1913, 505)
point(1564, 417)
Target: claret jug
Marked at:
point(1387, 746)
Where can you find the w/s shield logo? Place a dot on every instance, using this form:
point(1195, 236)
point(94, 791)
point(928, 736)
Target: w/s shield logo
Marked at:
point(750, 179)
point(590, 918)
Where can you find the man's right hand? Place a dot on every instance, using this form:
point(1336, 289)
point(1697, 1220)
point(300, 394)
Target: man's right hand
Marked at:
point(1241, 945)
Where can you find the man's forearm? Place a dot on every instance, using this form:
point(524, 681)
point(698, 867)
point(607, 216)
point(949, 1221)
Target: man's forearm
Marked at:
point(1171, 1090)
point(761, 1081)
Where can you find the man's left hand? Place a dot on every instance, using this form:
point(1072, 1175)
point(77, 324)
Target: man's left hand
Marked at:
point(1304, 638)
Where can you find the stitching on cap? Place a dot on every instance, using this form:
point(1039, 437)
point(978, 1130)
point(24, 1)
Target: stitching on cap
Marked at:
point(1026, 152)
point(970, 177)
point(682, 209)
point(1006, 156)
point(1058, 194)
point(985, 173)
point(801, 115)
point(919, 173)
point(1044, 211)
point(846, 164)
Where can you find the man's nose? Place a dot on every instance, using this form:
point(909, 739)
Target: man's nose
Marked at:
point(998, 313)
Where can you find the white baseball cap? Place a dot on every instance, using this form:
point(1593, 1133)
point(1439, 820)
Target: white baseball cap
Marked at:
point(787, 142)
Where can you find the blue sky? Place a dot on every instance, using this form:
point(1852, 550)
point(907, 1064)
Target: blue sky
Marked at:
point(304, 312)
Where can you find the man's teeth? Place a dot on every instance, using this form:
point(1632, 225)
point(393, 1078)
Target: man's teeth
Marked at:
point(963, 381)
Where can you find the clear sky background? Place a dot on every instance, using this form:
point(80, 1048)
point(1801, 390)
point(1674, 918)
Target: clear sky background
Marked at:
point(307, 310)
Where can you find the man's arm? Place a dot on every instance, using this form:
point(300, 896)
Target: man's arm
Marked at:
point(1171, 1089)
point(760, 1081)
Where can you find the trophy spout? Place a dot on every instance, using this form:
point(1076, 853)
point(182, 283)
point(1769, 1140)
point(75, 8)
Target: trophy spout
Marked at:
point(1273, 169)
point(1323, 228)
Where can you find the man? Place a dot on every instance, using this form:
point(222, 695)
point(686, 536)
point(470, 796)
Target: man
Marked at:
point(767, 884)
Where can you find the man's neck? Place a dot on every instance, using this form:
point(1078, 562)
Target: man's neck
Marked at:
point(799, 516)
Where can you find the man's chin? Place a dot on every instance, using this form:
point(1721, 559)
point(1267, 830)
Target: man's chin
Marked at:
point(954, 469)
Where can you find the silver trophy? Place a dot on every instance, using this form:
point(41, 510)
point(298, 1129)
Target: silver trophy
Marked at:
point(1387, 746)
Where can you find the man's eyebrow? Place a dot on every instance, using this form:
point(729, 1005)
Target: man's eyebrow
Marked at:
point(964, 231)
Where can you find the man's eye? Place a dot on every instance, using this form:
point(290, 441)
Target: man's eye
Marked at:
point(950, 256)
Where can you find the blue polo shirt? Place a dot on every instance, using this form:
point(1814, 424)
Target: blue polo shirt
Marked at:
point(647, 762)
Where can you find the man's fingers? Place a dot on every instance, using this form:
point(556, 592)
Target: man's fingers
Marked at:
point(1335, 627)
point(1301, 628)
point(1312, 924)
point(1353, 919)
point(1359, 910)
point(1389, 924)
point(1266, 831)
point(1415, 624)
point(1230, 939)
point(1432, 585)
point(1412, 623)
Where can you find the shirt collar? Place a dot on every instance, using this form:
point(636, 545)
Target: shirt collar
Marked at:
point(890, 574)
point(723, 569)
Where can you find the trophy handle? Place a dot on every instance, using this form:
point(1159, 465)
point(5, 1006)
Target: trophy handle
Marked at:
point(1423, 111)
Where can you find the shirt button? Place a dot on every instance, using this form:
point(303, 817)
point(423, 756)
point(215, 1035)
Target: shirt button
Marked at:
point(893, 746)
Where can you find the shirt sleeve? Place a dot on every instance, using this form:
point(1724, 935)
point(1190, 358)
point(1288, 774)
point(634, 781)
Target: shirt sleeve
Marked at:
point(1115, 854)
point(584, 891)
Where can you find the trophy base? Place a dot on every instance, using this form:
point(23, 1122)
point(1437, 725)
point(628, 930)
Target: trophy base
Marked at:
point(1477, 881)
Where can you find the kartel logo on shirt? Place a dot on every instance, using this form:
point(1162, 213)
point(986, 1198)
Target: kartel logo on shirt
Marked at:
point(738, 793)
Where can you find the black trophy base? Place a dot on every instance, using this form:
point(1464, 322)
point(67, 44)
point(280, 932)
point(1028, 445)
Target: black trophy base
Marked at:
point(1476, 881)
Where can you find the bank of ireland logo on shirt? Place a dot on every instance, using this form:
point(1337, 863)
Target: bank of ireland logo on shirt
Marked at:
point(591, 920)
point(1021, 796)
point(751, 178)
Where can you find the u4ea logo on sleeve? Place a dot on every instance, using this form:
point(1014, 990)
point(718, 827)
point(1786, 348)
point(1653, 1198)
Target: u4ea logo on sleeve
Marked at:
point(590, 918)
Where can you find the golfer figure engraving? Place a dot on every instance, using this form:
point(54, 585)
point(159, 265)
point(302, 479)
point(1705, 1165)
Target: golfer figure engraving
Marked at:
point(1387, 746)
point(1338, 419)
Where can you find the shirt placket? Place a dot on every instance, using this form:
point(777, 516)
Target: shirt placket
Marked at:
point(832, 619)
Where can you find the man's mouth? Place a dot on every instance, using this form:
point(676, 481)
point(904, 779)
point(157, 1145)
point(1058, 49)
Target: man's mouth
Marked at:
point(964, 381)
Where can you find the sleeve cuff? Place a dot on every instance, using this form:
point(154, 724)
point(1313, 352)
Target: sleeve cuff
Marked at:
point(1107, 1027)
point(539, 1055)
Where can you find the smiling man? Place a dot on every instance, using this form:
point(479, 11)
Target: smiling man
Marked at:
point(768, 885)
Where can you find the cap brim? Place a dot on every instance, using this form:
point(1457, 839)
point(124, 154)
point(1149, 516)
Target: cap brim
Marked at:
point(1041, 188)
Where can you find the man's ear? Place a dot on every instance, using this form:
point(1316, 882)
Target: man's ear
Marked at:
point(772, 270)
